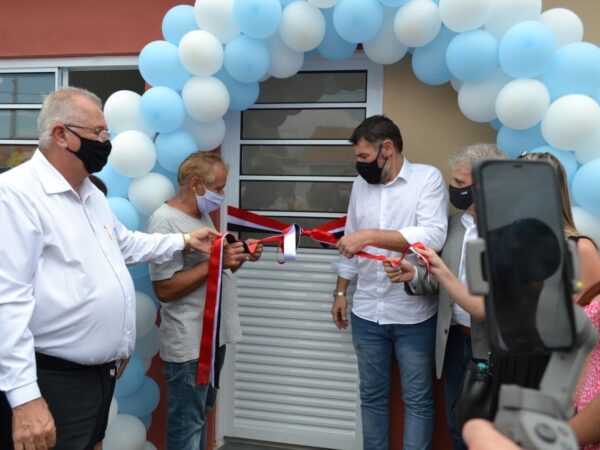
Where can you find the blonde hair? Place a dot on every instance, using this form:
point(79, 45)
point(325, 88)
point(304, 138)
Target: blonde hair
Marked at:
point(199, 165)
point(568, 222)
point(60, 107)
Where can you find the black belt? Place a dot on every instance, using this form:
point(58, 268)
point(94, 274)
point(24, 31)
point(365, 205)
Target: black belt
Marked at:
point(47, 362)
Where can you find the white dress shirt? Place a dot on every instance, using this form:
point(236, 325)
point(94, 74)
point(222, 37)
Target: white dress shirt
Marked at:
point(459, 315)
point(64, 287)
point(415, 203)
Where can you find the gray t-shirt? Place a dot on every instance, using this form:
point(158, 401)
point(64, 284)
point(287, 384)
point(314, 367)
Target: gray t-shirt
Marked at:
point(181, 320)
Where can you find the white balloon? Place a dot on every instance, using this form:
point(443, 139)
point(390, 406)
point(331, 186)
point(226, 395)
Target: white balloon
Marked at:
point(148, 446)
point(125, 433)
point(149, 192)
point(205, 98)
point(302, 26)
point(589, 150)
point(323, 4)
point(208, 135)
point(133, 153)
point(201, 53)
point(285, 62)
point(417, 23)
point(571, 121)
point(456, 83)
point(385, 48)
point(145, 314)
point(113, 410)
point(216, 17)
point(122, 112)
point(586, 223)
point(565, 24)
point(507, 13)
point(522, 103)
point(465, 15)
point(477, 99)
point(147, 346)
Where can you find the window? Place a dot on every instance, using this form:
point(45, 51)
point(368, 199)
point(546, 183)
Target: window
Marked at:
point(21, 96)
point(295, 162)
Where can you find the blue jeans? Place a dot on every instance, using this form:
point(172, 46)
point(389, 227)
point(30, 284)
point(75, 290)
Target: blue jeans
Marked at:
point(457, 357)
point(413, 346)
point(187, 404)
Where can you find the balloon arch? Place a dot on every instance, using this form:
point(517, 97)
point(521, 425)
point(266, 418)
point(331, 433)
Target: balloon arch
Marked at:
point(525, 72)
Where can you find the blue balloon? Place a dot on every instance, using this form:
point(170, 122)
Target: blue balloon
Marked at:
point(257, 18)
point(162, 109)
point(496, 124)
point(472, 55)
point(333, 47)
point(172, 148)
point(526, 49)
point(147, 421)
point(394, 3)
point(178, 21)
point(160, 65)
point(358, 20)
point(138, 270)
point(144, 284)
point(566, 158)
point(586, 185)
point(125, 212)
point(574, 69)
point(514, 142)
point(132, 378)
point(117, 184)
point(142, 402)
point(429, 61)
point(284, 3)
point(241, 95)
point(246, 59)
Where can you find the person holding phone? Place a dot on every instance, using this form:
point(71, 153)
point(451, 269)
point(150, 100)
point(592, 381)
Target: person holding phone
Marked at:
point(460, 334)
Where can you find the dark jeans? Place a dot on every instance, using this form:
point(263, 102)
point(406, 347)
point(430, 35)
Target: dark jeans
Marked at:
point(457, 356)
point(413, 346)
point(188, 403)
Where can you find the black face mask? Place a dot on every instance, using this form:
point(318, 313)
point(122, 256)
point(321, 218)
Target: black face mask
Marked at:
point(461, 198)
point(370, 171)
point(93, 154)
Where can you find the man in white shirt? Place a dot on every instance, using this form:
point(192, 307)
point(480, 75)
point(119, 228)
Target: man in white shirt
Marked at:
point(67, 301)
point(460, 334)
point(393, 204)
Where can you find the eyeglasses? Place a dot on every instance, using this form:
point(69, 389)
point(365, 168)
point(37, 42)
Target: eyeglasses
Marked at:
point(101, 133)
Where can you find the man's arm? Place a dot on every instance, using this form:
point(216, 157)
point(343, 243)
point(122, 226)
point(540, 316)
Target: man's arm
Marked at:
point(585, 423)
point(33, 425)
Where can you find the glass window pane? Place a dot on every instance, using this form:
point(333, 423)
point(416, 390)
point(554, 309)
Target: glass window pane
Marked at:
point(25, 88)
point(304, 222)
point(305, 196)
point(13, 155)
point(18, 123)
point(104, 83)
point(302, 160)
point(301, 123)
point(316, 87)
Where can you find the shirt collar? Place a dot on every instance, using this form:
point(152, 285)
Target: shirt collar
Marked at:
point(405, 172)
point(53, 181)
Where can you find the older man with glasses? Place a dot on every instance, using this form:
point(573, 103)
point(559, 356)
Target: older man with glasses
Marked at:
point(67, 301)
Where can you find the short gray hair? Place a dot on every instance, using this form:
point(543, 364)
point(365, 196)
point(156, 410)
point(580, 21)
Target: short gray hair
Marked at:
point(59, 107)
point(475, 152)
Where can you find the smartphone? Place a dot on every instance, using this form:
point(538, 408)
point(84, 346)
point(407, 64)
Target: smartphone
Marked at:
point(526, 262)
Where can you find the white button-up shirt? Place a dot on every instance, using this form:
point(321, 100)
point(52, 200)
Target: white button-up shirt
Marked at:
point(64, 286)
point(415, 203)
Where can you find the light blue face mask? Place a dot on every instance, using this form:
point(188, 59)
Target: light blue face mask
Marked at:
point(210, 201)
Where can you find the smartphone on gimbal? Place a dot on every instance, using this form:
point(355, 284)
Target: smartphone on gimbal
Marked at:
point(526, 261)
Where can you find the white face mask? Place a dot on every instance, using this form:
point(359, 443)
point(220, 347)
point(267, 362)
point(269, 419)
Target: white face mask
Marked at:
point(210, 201)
